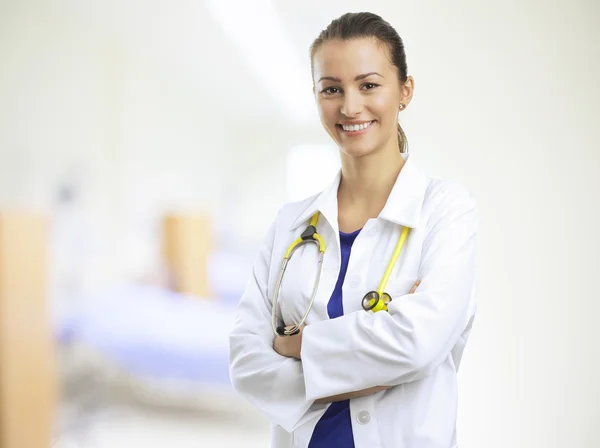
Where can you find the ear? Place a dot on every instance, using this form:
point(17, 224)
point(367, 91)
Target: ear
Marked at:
point(407, 91)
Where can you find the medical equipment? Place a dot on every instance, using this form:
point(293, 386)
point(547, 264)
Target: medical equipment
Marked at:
point(372, 301)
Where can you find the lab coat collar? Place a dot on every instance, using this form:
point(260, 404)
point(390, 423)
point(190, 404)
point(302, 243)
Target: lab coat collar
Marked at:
point(405, 201)
point(403, 206)
point(325, 202)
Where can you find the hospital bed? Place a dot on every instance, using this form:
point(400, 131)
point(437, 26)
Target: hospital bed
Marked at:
point(152, 332)
point(162, 348)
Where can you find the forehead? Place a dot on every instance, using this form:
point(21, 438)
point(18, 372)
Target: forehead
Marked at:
point(347, 59)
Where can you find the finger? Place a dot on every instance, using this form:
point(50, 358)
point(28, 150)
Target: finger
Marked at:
point(415, 286)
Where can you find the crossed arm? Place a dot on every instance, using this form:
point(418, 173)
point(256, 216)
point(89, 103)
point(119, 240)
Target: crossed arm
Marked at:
point(291, 347)
point(284, 377)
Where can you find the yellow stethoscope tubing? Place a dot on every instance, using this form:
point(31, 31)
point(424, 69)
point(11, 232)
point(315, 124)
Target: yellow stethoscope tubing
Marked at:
point(320, 242)
point(379, 302)
point(299, 241)
point(373, 304)
point(393, 260)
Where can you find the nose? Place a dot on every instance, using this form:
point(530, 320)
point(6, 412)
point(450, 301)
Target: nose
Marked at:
point(352, 105)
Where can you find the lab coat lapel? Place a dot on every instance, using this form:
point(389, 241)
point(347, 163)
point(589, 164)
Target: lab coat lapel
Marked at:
point(325, 203)
point(403, 206)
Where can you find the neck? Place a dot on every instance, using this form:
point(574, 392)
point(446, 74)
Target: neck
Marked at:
point(367, 181)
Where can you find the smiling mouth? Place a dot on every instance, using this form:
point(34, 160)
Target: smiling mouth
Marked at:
point(355, 128)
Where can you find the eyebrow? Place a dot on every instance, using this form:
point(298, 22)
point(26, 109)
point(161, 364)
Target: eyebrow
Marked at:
point(358, 78)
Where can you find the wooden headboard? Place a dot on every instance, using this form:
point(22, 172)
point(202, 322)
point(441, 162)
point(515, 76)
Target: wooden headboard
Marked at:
point(186, 247)
point(28, 387)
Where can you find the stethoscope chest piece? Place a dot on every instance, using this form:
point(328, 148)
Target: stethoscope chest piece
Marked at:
point(373, 301)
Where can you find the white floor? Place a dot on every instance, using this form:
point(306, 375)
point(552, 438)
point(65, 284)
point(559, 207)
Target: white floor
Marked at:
point(100, 409)
point(150, 428)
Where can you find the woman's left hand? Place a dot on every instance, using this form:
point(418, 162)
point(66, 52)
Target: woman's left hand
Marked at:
point(289, 346)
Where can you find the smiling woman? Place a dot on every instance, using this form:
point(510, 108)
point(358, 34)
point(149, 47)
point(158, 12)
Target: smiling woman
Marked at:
point(359, 343)
point(360, 78)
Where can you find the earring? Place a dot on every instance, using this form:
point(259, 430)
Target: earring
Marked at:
point(402, 106)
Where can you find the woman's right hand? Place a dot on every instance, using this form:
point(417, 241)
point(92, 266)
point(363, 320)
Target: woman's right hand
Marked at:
point(415, 286)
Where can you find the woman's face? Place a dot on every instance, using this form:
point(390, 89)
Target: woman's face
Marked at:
point(359, 94)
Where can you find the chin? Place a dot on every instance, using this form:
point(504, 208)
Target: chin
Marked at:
point(357, 151)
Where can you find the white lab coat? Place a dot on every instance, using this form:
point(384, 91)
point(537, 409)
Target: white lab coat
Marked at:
point(416, 347)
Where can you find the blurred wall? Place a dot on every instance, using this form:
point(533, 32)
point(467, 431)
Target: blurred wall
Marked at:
point(155, 108)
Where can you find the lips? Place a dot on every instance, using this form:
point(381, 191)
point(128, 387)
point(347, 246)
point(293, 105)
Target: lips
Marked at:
point(355, 128)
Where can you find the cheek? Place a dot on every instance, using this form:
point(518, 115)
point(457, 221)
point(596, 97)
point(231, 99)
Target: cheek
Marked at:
point(384, 108)
point(328, 113)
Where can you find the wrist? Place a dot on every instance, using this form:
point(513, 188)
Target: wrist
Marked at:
point(300, 337)
point(297, 346)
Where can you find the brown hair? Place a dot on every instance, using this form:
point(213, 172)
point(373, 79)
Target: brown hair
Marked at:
point(366, 24)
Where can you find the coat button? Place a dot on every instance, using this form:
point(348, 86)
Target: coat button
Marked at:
point(363, 417)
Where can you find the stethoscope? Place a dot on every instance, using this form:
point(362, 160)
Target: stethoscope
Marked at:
point(373, 301)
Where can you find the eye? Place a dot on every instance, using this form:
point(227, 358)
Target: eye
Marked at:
point(331, 91)
point(370, 86)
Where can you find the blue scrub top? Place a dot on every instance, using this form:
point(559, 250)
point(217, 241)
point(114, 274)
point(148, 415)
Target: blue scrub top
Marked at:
point(334, 429)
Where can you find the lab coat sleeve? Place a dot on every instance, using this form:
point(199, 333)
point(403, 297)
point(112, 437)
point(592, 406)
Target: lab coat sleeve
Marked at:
point(272, 383)
point(362, 350)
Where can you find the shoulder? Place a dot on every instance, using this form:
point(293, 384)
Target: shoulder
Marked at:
point(447, 191)
point(279, 233)
point(445, 198)
point(291, 211)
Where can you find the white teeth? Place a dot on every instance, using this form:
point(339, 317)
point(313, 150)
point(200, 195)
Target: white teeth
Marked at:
point(356, 127)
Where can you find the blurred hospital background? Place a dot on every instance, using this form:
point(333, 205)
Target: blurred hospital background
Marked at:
point(145, 147)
